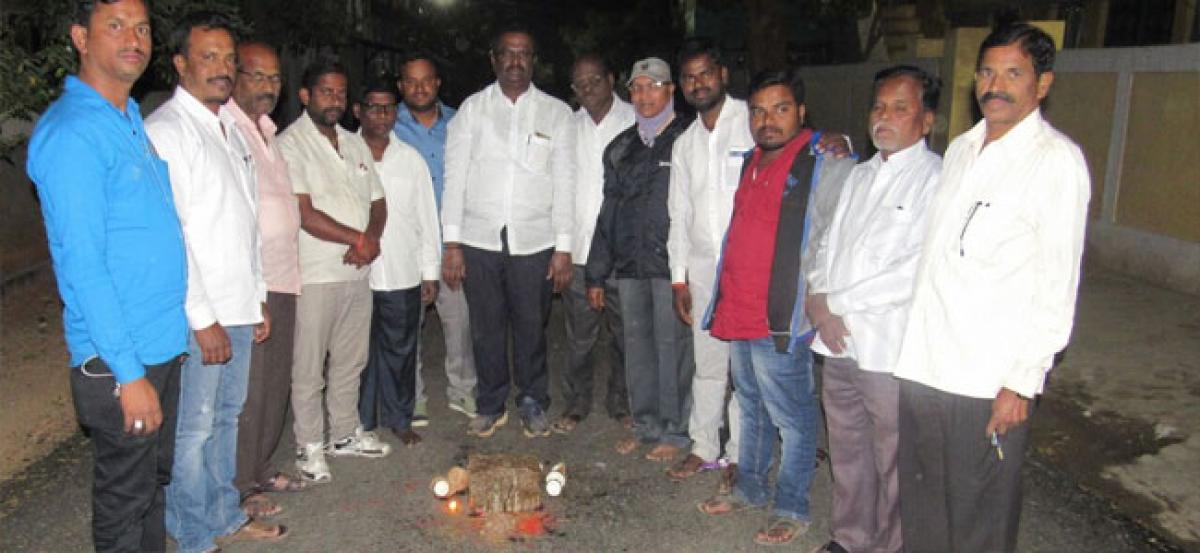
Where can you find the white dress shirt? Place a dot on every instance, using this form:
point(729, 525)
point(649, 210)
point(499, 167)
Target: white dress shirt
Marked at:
point(866, 263)
point(212, 179)
point(591, 139)
point(410, 249)
point(341, 183)
point(510, 165)
point(706, 167)
point(995, 291)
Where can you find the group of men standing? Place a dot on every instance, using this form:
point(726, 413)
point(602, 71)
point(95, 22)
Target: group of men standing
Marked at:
point(251, 271)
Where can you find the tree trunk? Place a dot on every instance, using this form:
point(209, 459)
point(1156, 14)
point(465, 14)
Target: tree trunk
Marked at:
point(505, 483)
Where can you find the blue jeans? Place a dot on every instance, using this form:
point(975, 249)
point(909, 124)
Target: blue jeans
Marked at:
point(775, 392)
point(202, 502)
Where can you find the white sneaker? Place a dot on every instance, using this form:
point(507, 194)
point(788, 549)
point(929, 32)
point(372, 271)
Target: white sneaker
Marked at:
point(362, 443)
point(310, 462)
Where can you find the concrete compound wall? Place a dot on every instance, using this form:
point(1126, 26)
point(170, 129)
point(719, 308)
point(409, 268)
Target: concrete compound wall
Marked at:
point(1133, 111)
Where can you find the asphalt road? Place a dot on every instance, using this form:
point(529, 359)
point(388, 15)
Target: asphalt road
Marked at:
point(611, 502)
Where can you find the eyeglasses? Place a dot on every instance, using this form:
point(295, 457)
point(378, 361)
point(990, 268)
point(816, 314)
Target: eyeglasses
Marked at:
point(590, 81)
point(379, 109)
point(258, 77)
point(506, 54)
point(641, 88)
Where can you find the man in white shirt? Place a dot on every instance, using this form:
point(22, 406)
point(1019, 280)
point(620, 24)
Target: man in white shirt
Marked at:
point(342, 214)
point(706, 166)
point(994, 302)
point(404, 278)
point(507, 225)
point(860, 285)
point(212, 181)
point(600, 117)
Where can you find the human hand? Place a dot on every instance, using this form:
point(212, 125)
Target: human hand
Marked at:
point(595, 298)
point(683, 304)
point(560, 270)
point(454, 267)
point(262, 330)
point(1009, 409)
point(214, 344)
point(833, 144)
point(429, 291)
point(139, 402)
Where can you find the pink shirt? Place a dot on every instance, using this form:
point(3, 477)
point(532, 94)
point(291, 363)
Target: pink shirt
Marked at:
point(278, 212)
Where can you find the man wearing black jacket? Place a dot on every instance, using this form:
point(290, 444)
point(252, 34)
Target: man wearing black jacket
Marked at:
point(631, 239)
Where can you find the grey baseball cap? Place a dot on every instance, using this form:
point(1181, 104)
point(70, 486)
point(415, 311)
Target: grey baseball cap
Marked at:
point(654, 68)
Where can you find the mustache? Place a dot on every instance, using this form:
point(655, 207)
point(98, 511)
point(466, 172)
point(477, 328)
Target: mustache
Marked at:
point(226, 78)
point(989, 96)
point(137, 51)
point(769, 128)
point(266, 97)
point(881, 125)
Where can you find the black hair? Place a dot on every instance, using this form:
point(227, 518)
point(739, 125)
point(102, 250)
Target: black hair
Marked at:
point(596, 58)
point(381, 84)
point(698, 46)
point(419, 55)
point(207, 20)
point(318, 69)
point(511, 27)
point(785, 77)
point(1034, 42)
point(84, 10)
point(931, 87)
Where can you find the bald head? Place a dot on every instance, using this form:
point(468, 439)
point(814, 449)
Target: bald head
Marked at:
point(258, 81)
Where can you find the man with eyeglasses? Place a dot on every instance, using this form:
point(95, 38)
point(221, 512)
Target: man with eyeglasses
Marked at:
point(421, 123)
point(507, 225)
point(631, 243)
point(342, 214)
point(600, 117)
point(260, 426)
point(404, 278)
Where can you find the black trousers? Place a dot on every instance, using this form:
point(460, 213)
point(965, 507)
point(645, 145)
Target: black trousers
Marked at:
point(389, 381)
point(508, 292)
point(260, 426)
point(956, 493)
point(130, 472)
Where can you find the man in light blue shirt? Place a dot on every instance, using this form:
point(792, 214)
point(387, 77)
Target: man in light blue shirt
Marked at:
point(122, 273)
point(421, 123)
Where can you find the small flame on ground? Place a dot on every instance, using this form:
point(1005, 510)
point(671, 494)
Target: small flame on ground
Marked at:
point(452, 505)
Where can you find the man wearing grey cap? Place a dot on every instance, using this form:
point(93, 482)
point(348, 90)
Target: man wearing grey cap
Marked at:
point(630, 240)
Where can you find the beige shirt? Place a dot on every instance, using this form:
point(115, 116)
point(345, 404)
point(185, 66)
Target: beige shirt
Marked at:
point(342, 183)
point(278, 212)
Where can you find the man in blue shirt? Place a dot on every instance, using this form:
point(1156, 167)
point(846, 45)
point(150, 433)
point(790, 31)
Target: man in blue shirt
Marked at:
point(119, 259)
point(421, 123)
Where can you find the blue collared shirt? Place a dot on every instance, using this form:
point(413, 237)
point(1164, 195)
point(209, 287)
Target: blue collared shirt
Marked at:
point(431, 142)
point(114, 236)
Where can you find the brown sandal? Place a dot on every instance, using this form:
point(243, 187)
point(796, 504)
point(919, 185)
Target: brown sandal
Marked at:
point(566, 424)
point(717, 506)
point(291, 484)
point(686, 468)
point(257, 505)
point(780, 531)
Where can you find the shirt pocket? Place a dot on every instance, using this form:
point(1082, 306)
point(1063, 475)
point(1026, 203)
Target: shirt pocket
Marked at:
point(732, 172)
point(538, 148)
point(892, 228)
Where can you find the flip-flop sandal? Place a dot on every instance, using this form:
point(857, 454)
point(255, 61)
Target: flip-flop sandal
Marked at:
point(257, 505)
point(785, 528)
point(734, 506)
point(253, 530)
point(294, 484)
point(567, 424)
point(690, 466)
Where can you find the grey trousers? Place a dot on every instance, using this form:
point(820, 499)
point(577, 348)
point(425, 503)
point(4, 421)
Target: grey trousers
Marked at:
point(956, 494)
point(332, 319)
point(260, 426)
point(460, 357)
point(861, 414)
point(659, 363)
point(583, 330)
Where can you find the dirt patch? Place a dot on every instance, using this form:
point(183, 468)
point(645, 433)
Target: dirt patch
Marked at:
point(34, 385)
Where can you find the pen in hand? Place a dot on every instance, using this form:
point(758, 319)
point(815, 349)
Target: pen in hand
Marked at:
point(996, 444)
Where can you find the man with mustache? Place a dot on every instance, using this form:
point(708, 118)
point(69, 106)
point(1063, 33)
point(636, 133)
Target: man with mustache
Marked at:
point(507, 224)
point(706, 167)
point(630, 244)
point(600, 118)
point(421, 122)
point(255, 92)
point(342, 214)
point(212, 180)
point(120, 264)
point(994, 302)
point(783, 205)
point(860, 285)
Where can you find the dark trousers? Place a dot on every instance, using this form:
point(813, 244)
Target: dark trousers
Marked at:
point(660, 361)
point(583, 331)
point(508, 292)
point(389, 382)
point(956, 494)
point(131, 472)
point(260, 426)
